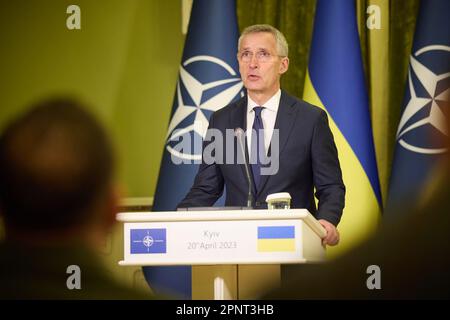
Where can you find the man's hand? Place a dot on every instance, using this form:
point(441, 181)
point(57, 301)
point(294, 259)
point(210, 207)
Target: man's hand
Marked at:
point(332, 237)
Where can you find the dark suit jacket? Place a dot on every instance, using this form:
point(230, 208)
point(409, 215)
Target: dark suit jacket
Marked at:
point(307, 159)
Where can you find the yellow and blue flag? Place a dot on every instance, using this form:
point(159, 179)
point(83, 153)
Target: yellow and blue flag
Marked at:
point(335, 82)
point(276, 238)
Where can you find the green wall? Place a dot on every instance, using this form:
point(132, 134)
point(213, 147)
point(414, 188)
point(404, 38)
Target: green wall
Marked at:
point(123, 62)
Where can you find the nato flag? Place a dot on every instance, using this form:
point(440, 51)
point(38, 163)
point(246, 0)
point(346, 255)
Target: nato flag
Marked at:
point(208, 80)
point(145, 241)
point(421, 133)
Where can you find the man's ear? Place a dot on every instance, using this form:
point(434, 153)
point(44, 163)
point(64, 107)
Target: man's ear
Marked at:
point(284, 65)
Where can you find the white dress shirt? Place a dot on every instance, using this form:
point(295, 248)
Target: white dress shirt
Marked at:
point(268, 115)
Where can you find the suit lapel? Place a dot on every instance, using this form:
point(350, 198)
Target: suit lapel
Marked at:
point(239, 120)
point(284, 123)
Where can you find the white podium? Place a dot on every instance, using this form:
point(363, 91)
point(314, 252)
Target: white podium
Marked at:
point(235, 254)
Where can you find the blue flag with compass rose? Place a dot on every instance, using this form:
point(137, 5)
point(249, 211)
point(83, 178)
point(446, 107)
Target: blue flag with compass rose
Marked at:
point(148, 241)
point(208, 80)
point(422, 129)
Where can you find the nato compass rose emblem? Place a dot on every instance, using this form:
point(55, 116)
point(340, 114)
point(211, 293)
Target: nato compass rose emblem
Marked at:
point(206, 84)
point(422, 126)
point(148, 241)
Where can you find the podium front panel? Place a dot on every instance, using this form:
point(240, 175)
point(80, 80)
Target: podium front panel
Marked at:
point(215, 239)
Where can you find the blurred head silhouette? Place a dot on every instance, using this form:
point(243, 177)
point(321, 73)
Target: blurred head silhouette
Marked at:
point(56, 167)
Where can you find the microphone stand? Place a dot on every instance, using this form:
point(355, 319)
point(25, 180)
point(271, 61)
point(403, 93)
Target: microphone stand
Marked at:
point(241, 136)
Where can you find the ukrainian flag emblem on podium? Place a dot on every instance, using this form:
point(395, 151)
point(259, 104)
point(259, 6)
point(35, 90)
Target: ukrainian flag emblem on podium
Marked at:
point(276, 238)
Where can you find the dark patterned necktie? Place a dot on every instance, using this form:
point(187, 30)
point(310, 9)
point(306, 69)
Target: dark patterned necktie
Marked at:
point(257, 148)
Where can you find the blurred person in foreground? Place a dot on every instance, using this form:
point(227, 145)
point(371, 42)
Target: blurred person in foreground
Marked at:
point(58, 204)
point(412, 254)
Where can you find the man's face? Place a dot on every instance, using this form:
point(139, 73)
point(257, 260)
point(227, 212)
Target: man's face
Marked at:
point(259, 63)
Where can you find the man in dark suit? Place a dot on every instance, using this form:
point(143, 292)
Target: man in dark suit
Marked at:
point(292, 133)
point(58, 203)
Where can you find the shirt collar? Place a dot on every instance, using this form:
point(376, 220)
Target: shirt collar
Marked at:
point(272, 104)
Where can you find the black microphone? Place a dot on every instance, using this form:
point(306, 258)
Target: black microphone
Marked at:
point(240, 135)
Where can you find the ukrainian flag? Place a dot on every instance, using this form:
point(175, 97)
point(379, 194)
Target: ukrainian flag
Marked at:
point(335, 82)
point(276, 238)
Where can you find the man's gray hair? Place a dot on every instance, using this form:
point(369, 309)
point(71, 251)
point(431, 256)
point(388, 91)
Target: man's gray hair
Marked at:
point(282, 46)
